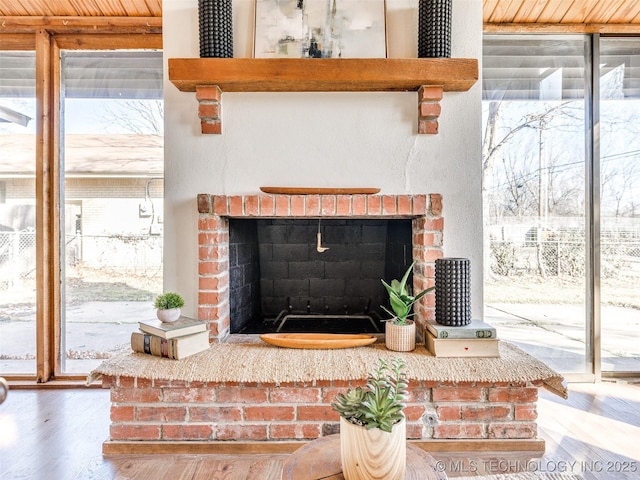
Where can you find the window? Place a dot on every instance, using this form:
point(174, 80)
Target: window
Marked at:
point(540, 277)
point(620, 202)
point(111, 225)
point(17, 212)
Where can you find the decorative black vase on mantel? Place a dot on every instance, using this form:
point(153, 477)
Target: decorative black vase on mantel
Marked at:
point(434, 28)
point(453, 292)
point(215, 20)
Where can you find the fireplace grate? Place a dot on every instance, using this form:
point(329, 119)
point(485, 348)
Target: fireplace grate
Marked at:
point(327, 319)
point(310, 316)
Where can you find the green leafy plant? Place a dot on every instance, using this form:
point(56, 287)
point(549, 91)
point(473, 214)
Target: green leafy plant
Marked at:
point(380, 403)
point(401, 299)
point(168, 300)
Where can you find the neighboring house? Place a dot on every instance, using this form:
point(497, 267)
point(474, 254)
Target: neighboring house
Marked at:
point(113, 190)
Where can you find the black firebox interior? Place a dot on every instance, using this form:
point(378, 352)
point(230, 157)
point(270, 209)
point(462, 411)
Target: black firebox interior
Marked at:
point(281, 279)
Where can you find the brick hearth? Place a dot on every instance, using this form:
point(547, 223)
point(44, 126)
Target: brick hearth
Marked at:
point(159, 410)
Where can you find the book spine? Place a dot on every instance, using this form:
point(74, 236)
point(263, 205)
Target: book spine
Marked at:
point(461, 333)
point(152, 345)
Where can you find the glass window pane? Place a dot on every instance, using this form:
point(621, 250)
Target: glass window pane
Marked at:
point(534, 194)
point(620, 210)
point(17, 213)
point(113, 191)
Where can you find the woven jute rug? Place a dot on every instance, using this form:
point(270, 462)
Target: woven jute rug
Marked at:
point(262, 363)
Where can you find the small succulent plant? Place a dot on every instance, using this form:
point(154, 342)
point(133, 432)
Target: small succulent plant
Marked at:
point(380, 403)
point(401, 299)
point(168, 301)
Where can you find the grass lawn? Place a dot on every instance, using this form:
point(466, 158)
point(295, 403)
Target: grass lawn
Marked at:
point(556, 290)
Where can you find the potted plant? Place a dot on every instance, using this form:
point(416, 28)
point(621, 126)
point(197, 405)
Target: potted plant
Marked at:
point(373, 441)
point(400, 332)
point(168, 306)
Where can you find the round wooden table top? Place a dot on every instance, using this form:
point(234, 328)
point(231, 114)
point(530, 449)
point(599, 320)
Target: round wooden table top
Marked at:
point(320, 459)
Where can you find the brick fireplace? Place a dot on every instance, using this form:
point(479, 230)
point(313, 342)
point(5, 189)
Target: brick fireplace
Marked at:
point(156, 415)
point(218, 257)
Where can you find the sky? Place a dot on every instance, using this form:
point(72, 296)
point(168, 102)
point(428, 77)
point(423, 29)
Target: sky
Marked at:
point(82, 116)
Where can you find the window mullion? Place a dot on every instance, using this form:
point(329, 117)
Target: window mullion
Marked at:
point(56, 211)
point(592, 186)
point(47, 244)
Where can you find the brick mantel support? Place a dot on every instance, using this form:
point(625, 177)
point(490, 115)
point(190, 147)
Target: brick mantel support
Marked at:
point(429, 109)
point(210, 109)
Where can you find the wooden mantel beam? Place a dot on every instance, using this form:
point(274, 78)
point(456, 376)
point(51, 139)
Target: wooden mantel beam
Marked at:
point(430, 77)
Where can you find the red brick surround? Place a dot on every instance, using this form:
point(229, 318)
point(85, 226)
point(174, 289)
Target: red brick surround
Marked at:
point(158, 410)
point(213, 238)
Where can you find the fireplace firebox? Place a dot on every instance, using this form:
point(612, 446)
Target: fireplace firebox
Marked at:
point(313, 275)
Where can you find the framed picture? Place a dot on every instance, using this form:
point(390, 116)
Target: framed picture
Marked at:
point(320, 29)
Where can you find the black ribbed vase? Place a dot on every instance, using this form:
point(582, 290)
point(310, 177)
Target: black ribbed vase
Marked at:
point(434, 28)
point(453, 291)
point(216, 28)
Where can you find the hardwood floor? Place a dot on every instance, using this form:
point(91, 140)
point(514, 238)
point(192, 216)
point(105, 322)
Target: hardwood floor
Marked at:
point(58, 434)
point(595, 434)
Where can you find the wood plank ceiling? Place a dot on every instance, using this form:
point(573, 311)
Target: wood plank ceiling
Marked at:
point(145, 16)
point(562, 11)
point(494, 11)
point(73, 8)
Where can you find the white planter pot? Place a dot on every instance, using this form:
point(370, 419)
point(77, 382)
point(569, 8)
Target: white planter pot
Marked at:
point(373, 454)
point(169, 315)
point(400, 338)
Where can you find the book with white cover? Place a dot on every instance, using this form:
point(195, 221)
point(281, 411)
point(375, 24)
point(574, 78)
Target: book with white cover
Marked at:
point(182, 326)
point(462, 347)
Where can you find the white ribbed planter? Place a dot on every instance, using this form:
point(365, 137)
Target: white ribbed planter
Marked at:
point(400, 338)
point(169, 315)
point(373, 454)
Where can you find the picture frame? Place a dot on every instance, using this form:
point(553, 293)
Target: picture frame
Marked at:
point(320, 29)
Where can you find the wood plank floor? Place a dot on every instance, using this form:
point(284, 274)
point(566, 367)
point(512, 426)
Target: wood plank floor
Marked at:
point(58, 434)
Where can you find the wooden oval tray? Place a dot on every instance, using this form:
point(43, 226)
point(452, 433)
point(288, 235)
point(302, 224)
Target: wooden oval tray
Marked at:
point(318, 191)
point(317, 340)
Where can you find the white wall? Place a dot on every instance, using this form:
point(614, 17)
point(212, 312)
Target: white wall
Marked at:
point(322, 140)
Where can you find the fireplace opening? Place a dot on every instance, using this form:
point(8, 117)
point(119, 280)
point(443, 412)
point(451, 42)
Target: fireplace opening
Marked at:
point(280, 280)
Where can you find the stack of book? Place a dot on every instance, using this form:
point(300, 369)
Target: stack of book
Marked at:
point(478, 339)
point(175, 340)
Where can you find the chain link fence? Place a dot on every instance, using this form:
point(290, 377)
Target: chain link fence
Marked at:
point(563, 255)
point(17, 258)
point(120, 256)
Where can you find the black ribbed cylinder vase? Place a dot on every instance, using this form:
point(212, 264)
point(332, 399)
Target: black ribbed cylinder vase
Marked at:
point(453, 291)
point(434, 28)
point(216, 28)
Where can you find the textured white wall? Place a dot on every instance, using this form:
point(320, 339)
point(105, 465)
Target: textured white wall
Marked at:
point(321, 139)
